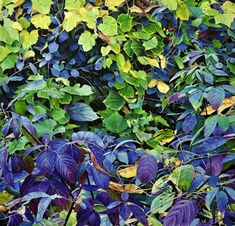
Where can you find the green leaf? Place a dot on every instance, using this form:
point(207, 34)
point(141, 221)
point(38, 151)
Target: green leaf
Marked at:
point(29, 38)
point(207, 10)
point(128, 49)
point(85, 90)
point(114, 101)
point(182, 11)
point(115, 123)
point(150, 44)
point(179, 62)
point(9, 62)
point(41, 6)
point(4, 53)
point(148, 61)
point(45, 127)
point(136, 47)
point(59, 115)
point(172, 5)
point(109, 26)
point(7, 33)
point(71, 20)
point(223, 122)
point(74, 4)
point(125, 22)
point(41, 21)
point(183, 176)
point(162, 202)
point(87, 40)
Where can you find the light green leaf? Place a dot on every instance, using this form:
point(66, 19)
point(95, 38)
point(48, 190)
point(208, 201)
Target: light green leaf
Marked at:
point(45, 127)
point(41, 21)
point(105, 50)
point(162, 202)
point(150, 44)
point(182, 11)
point(183, 176)
point(85, 90)
point(74, 4)
point(9, 62)
point(29, 38)
point(41, 6)
point(125, 22)
point(59, 115)
point(223, 122)
point(114, 101)
point(148, 61)
point(109, 26)
point(136, 47)
point(207, 10)
point(4, 53)
point(179, 62)
point(115, 123)
point(171, 4)
point(87, 40)
point(71, 20)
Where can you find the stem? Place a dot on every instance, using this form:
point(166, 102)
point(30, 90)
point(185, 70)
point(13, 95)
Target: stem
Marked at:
point(69, 213)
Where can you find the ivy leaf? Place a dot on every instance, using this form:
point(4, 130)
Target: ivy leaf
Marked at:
point(112, 4)
point(115, 123)
point(41, 6)
point(74, 4)
point(41, 21)
point(9, 62)
point(150, 44)
point(183, 176)
point(87, 40)
point(82, 112)
point(114, 101)
point(215, 97)
point(172, 5)
point(109, 26)
point(147, 168)
point(125, 22)
point(29, 38)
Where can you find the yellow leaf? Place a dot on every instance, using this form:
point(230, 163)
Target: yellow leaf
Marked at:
point(152, 83)
point(162, 87)
point(5, 197)
point(29, 38)
point(111, 4)
point(127, 66)
point(17, 26)
point(128, 172)
point(227, 103)
point(115, 48)
point(18, 3)
point(162, 61)
point(135, 9)
point(130, 188)
point(28, 54)
point(105, 50)
point(41, 21)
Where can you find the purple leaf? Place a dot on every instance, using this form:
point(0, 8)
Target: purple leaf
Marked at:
point(215, 165)
point(175, 97)
point(221, 201)
point(211, 144)
point(58, 145)
point(87, 138)
point(189, 123)
point(31, 149)
point(66, 166)
point(181, 213)
point(28, 125)
point(139, 214)
point(101, 179)
point(73, 151)
point(125, 212)
point(147, 168)
point(53, 47)
point(16, 125)
point(215, 97)
point(17, 164)
point(5, 128)
point(45, 162)
point(3, 157)
point(97, 152)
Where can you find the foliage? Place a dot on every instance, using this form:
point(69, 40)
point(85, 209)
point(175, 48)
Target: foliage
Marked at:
point(117, 112)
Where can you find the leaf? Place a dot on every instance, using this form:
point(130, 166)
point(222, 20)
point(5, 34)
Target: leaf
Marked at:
point(5, 197)
point(113, 4)
point(172, 5)
point(162, 202)
point(4, 53)
point(215, 97)
point(181, 213)
point(115, 123)
point(16, 125)
point(148, 61)
point(223, 122)
point(42, 207)
point(162, 86)
point(183, 176)
point(230, 192)
point(36, 195)
point(74, 4)
point(9, 62)
point(150, 44)
point(114, 101)
point(41, 21)
point(66, 166)
point(210, 144)
point(128, 172)
point(139, 214)
point(210, 197)
point(221, 201)
point(87, 40)
point(85, 90)
point(125, 22)
point(147, 168)
point(189, 123)
point(45, 127)
point(125, 212)
point(130, 188)
point(45, 162)
point(82, 112)
point(195, 99)
point(182, 11)
point(29, 38)
point(109, 26)
point(210, 125)
point(41, 6)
